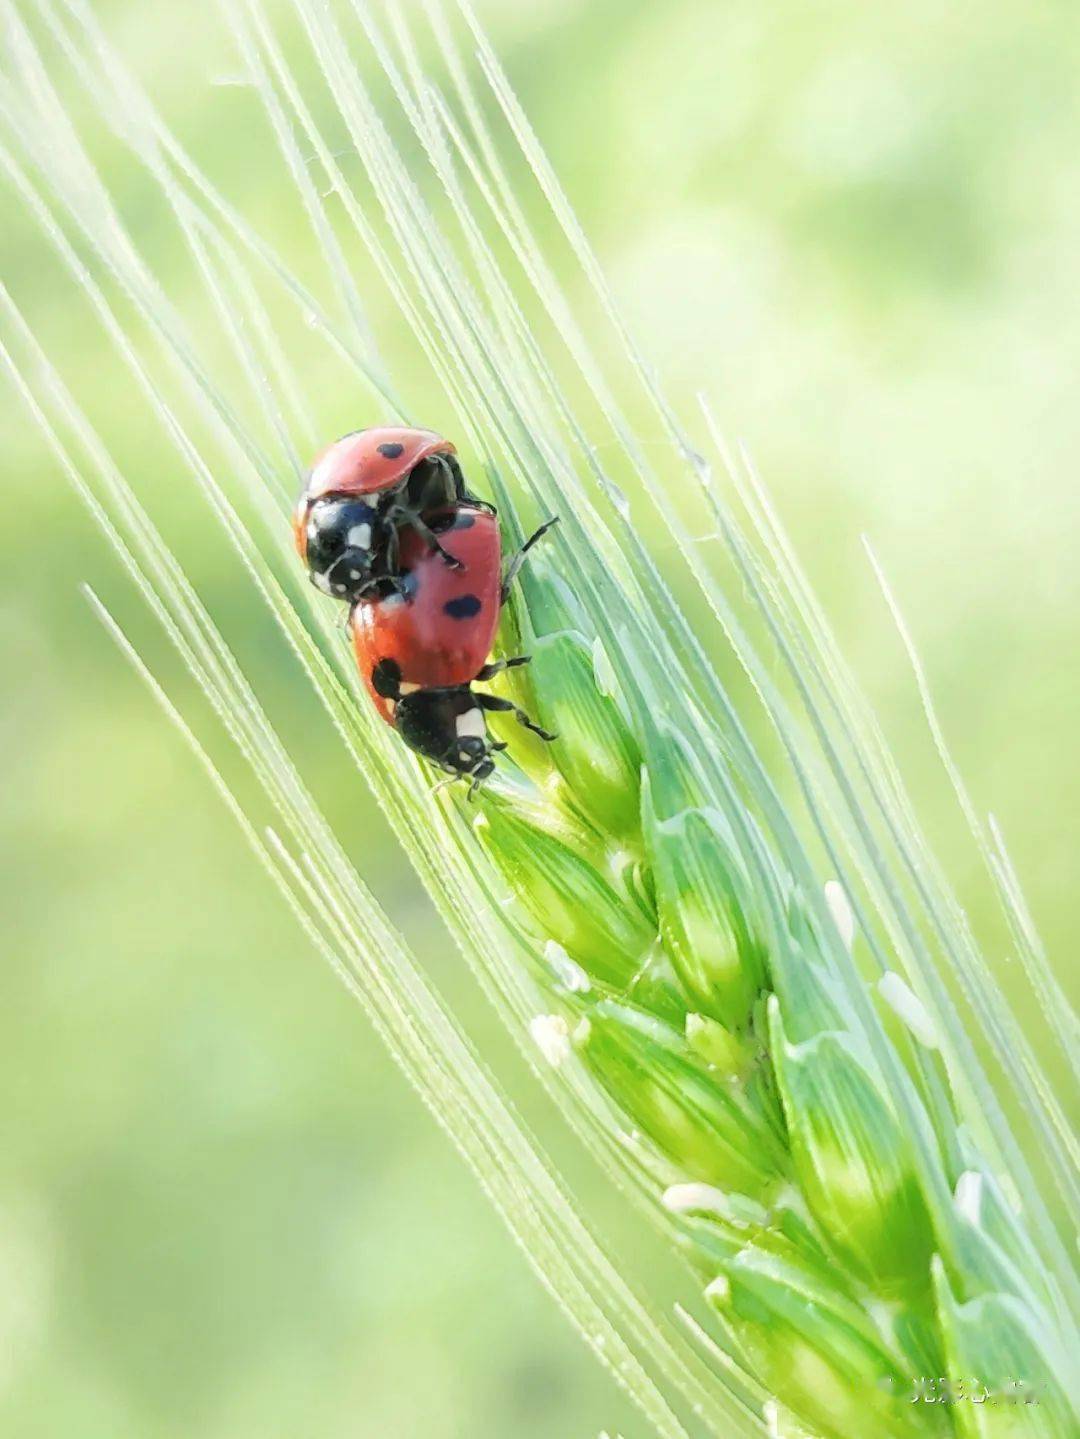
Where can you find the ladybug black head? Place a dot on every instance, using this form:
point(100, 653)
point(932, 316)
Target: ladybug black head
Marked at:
point(446, 726)
point(345, 546)
point(471, 759)
point(468, 755)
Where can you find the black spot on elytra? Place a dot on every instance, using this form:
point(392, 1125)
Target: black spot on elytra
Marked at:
point(463, 608)
point(386, 679)
point(391, 449)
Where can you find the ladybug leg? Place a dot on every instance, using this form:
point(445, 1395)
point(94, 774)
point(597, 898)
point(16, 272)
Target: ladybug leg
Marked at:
point(424, 530)
point(497, 666)
point(397, 516)
point(496, 702)
point(393, 548)
point(458, 490)
point(483, 771)
point(455, 491)
point(519, 559)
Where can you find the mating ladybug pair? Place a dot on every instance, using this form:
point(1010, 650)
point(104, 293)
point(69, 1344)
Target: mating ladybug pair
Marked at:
point(386, 523)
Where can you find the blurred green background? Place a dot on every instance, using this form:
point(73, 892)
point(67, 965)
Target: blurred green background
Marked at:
point(856, 226)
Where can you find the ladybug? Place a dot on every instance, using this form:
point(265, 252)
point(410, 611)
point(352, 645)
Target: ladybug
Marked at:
point(421, 647)
point(362, 492)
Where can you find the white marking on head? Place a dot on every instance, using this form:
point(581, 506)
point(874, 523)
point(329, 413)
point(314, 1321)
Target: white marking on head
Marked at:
point(552, 1037)
point(406, 687)
point(471, 723)
point(323, 583)
point(359, 537)
point(464, 756)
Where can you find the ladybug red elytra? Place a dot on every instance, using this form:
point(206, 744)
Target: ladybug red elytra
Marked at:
point(364, 491)
point(421, 648)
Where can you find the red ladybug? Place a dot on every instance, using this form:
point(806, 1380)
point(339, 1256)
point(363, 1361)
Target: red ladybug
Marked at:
point(420, 650)
point(363, 490)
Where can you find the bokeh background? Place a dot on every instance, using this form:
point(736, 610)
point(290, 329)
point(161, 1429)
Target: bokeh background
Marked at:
point(856, 227)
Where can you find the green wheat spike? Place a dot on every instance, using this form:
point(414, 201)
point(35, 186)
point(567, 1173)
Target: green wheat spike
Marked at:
point(738, 1027)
